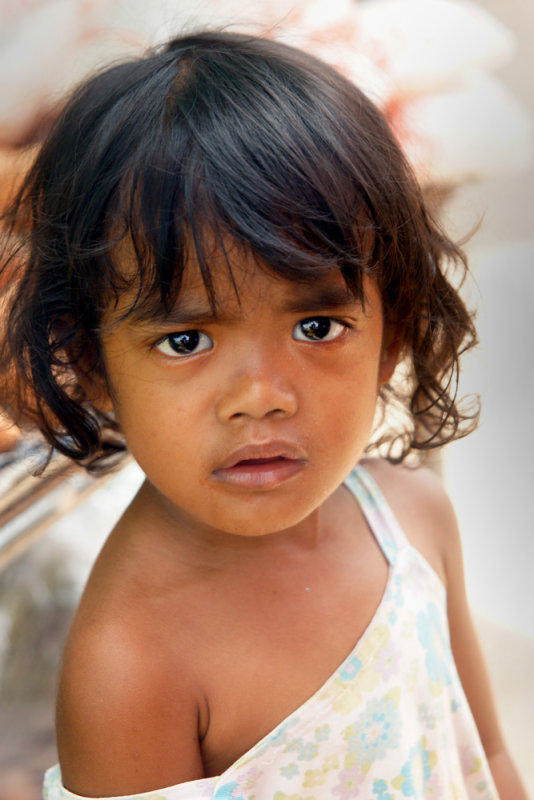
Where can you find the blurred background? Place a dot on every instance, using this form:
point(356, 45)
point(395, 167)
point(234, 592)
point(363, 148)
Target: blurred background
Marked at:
point(455, 79)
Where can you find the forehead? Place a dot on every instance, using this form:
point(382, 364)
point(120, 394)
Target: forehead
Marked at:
point(245, 289)
point(230, 278)
point(238, 276)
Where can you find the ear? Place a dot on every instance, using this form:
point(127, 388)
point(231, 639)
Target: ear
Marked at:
point(389, 356)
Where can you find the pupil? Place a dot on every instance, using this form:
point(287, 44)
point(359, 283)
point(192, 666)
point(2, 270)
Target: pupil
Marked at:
point(184, 342)
point(316, 328)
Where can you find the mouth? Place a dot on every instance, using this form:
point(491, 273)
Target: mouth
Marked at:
point(253, 468)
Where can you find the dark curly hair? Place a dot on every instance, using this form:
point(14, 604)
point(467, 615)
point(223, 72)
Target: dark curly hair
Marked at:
point(229, 136)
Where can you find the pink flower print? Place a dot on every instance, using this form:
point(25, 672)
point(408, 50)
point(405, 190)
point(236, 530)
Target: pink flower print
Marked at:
point(349, 783)
point(387, 661)
point(433, 790)
point(250, 777)
point(469, 761)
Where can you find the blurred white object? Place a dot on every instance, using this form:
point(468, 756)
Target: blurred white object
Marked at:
point(402, 47)
point(45, 47)
point(427, 44)
point(427, 63)
point(469, 129)
point(160, 19)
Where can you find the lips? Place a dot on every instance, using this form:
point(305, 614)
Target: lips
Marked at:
point(262, 466)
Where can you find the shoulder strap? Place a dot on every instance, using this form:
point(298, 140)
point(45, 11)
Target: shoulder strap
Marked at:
point(376, 510)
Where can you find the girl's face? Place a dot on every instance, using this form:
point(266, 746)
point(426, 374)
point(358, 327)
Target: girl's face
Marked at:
point(247, 422)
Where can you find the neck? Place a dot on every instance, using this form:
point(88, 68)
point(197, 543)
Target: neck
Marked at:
point(155, 518)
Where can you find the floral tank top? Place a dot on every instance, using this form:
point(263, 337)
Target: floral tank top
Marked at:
point(392, 722)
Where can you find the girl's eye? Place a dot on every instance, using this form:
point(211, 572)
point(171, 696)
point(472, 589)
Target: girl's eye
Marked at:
point(185, 343)
point(318, 329)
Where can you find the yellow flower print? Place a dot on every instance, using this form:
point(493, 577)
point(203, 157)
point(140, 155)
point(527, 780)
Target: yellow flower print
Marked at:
point(314, 777)
point(332, 762)
point(411, 675)
point(378, 636)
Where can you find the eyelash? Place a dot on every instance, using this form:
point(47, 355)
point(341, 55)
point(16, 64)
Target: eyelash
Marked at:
point(180, 335)
point(316, 323)
point(342, 328)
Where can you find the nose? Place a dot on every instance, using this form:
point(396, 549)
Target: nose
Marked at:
point(256, 388)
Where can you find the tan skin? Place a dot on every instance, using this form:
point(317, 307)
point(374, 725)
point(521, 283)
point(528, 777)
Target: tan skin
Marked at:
point(206, 592)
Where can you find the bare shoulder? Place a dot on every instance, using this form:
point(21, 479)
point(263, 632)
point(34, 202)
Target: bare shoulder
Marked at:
point(128, 708)
point(423, 508)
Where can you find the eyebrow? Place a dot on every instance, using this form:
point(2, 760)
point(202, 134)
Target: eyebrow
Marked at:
point(311, 300)
point(183, 314)
point(322, 298)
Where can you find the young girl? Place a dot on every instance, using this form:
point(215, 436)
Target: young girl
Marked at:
point(228, 259)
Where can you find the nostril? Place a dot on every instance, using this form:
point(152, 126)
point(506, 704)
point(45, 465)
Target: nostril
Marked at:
point(252, 397)
point(273, 412)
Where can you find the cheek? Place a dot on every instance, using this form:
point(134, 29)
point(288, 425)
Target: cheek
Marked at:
point(164, 423)
point(344, 406)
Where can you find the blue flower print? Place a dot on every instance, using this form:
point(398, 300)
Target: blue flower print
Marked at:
point(305, 750)
point(390, 547)
point(290, 770)
point(309, 751)
point(397, 595)
point(438, 658)
point(380, 789)
point(280, 736)
point(228, 792)
point(426, 716)
point(376, 731)
point(322, 733)
point(350, 669)
point(293, 746)
point(416, 772)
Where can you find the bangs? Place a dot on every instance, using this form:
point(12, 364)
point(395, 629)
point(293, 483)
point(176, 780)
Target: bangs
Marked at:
point(170, 222)
point(228, 159)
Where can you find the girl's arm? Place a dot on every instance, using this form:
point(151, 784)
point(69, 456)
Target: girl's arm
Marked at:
point(471, 666)
point(121, 728)
point(427, 516)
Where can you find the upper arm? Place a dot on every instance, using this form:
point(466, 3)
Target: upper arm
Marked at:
point(467, 652)
point(126, 722)
point(472, 668)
